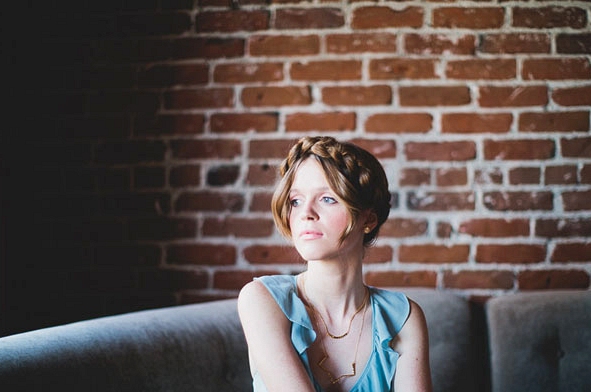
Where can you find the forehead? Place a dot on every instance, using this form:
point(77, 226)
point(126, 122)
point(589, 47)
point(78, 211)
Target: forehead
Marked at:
point(309, 174)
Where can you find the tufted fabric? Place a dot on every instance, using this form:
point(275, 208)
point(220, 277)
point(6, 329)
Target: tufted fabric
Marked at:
point(540, 341)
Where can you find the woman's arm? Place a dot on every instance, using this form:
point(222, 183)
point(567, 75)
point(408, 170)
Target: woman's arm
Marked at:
point(268, 334)
point(412, 343)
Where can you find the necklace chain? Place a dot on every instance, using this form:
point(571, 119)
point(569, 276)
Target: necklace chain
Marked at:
point(333, 379)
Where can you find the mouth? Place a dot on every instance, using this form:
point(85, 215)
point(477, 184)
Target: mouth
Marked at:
point(310, 235)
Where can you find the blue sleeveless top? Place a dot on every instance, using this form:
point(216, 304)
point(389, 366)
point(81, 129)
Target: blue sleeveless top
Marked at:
point(390, 312)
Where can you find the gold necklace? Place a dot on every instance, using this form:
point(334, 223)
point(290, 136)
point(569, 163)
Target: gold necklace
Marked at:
point(335, 380)
point(322, 318)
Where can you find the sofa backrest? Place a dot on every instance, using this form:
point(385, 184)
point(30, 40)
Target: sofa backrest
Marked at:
point(540, 341)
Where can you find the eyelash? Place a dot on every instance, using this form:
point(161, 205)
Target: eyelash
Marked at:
point(326, 199)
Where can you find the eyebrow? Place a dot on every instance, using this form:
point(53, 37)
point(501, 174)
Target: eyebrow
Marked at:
point(319, 190)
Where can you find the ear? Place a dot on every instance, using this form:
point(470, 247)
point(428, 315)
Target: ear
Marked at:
point(371, 220)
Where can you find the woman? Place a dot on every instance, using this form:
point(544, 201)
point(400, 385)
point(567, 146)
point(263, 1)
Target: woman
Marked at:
point(324, 329)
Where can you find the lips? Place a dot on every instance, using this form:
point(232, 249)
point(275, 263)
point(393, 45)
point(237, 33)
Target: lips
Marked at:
point(310, 234)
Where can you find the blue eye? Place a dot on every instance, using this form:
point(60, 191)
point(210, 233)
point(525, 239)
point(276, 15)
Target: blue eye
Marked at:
point(294, 202)
point(328, 200)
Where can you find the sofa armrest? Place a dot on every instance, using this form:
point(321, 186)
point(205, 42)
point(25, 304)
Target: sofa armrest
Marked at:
point(197, 347)
point(540, 341)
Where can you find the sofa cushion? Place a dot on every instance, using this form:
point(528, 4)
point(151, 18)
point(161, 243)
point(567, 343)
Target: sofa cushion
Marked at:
point(185, 348)
point(540, 341)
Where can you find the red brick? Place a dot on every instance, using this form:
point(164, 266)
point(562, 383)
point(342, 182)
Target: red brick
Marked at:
point(207, 48)
point(495, 279)
point(262, 174)
point(434, 95)
point(515, 43)
point(378, 254)
point(444, 230)
point(556, 69)
point(563, 227)
point(206, 149)
point(401, 278)
point(518, 201)
point(572, 96)
point(335, 121)
point(199, 98)
point(471, 18)
point(403, 227)
point(276, 96)
point(415, 177)
point(476, 122)
point(560, 175)
point(573, 43)
point(236, 279)
point(524, 175)
point(379, 148)
point(399, 123)
point(579, 147)
point(209, 201)
point(432, 44)
point(233, 20)
point(549, 17)
point(488, 176)
point(248, 73)
point(586, 174)
point(576, 200)
point(554, 122)
point(442, 151)
point(451, 177)
point(149, 177)
point(171, 75)
point(375, 17)
point(326, 70)
point(169, 124)
point(272, 254)
point(283, 45)
point(243, 122)
point(357, 95)
point(496, 228)
point(221, 175)
point(201, 254)
point(489, 69)
point(512, 253)
point(238, 227)
point(270, 148)
point(361, 43)
point(553, 279)
point(572, 252)
point(440, 201)
point(261, 202)
point(185, 175)
point(429, 253)
point(309, 18)
point(401, 68)
point(518, 149)
point(500, 96)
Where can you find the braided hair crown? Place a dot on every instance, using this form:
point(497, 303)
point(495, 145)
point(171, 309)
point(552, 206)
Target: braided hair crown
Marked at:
point(354, 174)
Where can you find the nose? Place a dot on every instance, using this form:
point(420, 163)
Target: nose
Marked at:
point(309, 212)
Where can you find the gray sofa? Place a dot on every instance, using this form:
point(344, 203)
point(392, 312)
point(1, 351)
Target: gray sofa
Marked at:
point(522, 342)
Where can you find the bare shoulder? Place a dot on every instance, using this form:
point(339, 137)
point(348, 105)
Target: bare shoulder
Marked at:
point(414, 334)
point(256, 305)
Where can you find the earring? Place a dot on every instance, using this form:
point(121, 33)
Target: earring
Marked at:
point(366, 230)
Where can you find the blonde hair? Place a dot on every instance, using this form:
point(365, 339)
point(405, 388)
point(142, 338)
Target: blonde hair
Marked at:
point(356, 176)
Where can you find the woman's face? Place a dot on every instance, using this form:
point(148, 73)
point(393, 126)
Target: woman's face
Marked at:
point(317, 218)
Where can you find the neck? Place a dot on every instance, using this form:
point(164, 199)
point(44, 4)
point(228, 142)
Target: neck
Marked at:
point(336, 290)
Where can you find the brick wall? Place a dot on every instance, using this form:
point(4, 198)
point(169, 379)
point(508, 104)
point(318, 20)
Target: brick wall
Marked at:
point(154, 130)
